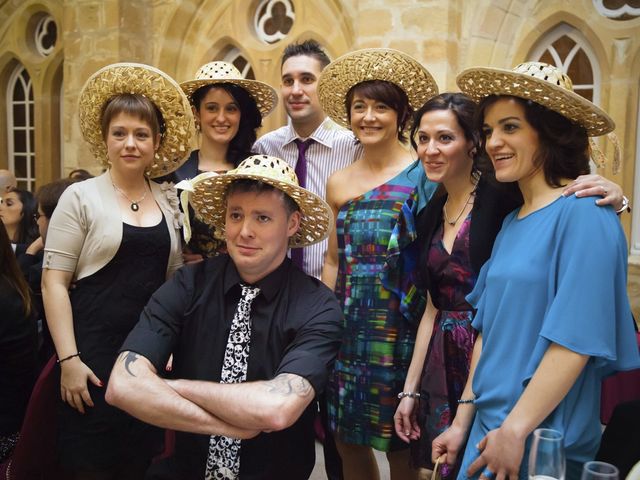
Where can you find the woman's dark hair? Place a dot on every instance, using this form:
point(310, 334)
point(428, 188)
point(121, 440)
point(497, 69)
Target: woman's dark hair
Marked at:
point(563, 150)
point(80, 174)
point(250, 119)
point(27, 230)
point(10, 270)
point(135, 105)
point(386, 92)
point(49, 194)
point(462, 107)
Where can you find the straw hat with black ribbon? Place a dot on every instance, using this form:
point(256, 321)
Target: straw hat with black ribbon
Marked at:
point(176, 124)
point(213, 73)
point(360, 66)
point(207, 195)
point(548, 86)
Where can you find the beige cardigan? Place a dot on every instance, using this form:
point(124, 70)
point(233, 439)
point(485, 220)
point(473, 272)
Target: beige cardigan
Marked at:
point(85, 229)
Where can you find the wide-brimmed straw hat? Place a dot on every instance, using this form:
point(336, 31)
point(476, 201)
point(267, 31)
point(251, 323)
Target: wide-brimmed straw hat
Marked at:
point(264, 95)
point(136, 78)
point(542, 83)
point(207, 195)
point(373, 64)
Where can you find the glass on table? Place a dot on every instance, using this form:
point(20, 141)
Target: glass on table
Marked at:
point(599, 471)
point(546, 457)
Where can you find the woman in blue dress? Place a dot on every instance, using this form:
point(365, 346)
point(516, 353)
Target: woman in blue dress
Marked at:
point(552, 311)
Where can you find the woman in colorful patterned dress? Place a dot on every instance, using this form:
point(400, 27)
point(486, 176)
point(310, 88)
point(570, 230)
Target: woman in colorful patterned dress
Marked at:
point(364, 90)
point(455, 233)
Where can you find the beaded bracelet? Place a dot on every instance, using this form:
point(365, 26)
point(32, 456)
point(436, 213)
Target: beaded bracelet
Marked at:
point(466, 400)
point(60, 360)
point(409, 394)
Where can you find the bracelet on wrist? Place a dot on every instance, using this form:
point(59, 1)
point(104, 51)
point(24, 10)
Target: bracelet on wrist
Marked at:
point(466, 400)
point(409, 394)
point(60, 360)
point(625, 206)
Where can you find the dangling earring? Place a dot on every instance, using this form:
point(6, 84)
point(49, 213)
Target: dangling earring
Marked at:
point(198, 128)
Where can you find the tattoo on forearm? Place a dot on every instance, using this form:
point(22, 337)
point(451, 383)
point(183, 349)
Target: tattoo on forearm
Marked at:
point(128, 358)
point(287, 384)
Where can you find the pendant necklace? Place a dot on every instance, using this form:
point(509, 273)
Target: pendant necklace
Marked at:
point(135, 204)
point(455, 220)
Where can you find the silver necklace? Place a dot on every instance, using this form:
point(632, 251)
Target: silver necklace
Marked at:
point(455, 220)
point(135, 204)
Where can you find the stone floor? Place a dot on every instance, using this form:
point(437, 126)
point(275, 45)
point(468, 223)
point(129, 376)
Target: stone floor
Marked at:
point(319, 474)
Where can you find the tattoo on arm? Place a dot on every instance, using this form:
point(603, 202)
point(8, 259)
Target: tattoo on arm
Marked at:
point(128, 358)
point(287, 384)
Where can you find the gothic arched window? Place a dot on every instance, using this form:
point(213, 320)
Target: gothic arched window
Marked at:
point(20, 127)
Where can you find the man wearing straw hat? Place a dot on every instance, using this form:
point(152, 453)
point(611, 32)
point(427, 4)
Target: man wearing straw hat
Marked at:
point(252, 336)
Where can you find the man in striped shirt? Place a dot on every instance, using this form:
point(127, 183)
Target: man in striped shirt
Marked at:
point(331, 148)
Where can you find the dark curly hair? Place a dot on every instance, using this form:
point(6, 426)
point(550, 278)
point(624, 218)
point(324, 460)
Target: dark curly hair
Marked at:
point(563, 150)
point(250, 119)
point(386, 92)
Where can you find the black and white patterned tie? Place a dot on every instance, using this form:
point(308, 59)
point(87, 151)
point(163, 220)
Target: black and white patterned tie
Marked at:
point(223, 462)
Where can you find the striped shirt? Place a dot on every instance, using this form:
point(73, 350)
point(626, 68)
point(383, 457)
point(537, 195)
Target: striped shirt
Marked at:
point(334, 148)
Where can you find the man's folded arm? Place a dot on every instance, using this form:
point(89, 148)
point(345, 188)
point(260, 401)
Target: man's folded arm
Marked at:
point(265, 405)
point(135, 387)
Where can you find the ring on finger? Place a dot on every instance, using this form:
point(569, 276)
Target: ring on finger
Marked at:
point(486, 473)
point(604, 191)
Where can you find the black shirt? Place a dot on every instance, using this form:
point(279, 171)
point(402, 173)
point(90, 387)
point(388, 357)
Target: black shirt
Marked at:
point(296, 327)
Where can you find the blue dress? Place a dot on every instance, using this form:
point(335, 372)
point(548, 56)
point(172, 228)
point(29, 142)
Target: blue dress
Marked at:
point(557, 275)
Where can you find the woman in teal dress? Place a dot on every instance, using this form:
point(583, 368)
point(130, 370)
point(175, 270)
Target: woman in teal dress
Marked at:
point(552, 311)
point(365, 91)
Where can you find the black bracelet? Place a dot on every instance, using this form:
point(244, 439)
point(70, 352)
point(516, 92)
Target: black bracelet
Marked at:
point(60, 360)
point(466, 400)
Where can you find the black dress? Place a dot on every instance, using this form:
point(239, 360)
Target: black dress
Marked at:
point(18, 355)
point(106, 306)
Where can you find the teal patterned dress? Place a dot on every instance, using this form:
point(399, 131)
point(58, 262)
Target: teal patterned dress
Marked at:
point(381, 309)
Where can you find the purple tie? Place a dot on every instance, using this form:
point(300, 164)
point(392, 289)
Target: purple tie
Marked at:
point(297, 254)
point(301, 164)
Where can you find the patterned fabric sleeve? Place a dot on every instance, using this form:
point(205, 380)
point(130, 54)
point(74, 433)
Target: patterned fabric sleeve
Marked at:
point(401, 269)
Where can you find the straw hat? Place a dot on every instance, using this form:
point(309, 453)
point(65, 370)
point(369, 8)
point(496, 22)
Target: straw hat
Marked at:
point(158, 87)
point(264, 95)
point(373, 64)
point(208, 197)
point(542, 83)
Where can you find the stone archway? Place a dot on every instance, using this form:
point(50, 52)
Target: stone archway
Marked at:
point(198, 32)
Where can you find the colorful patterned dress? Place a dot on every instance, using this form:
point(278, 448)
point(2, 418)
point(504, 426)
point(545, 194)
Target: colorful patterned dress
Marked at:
point(446, 365)
point(378, 339)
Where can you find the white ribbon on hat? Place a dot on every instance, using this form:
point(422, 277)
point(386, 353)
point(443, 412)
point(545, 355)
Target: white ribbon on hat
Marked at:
point(188, 187)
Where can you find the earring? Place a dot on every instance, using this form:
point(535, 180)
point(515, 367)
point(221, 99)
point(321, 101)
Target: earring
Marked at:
point(198, 128)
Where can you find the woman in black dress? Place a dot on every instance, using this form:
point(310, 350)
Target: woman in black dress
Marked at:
point(18, 347)
point(115, 238)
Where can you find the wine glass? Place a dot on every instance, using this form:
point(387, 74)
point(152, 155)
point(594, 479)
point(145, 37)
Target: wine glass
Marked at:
point(599, 471)
point(546, 458)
